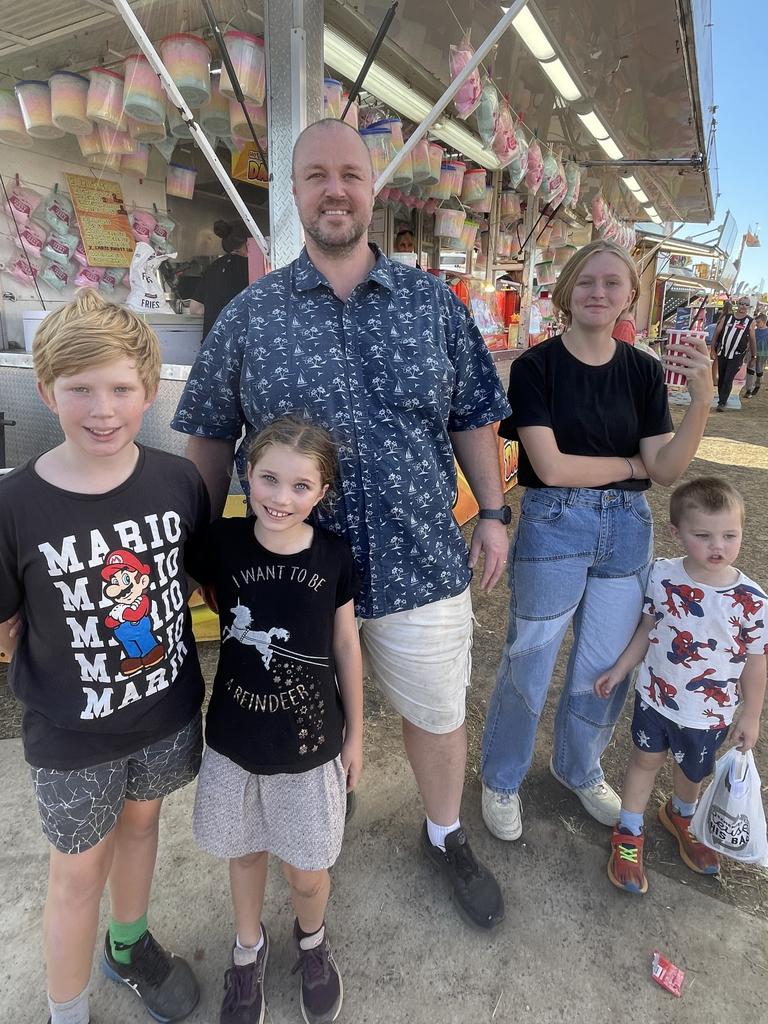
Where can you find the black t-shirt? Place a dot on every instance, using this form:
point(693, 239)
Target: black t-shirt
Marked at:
point(592, 410)
point(107, 662)
point(221, 282)
point(275, 706)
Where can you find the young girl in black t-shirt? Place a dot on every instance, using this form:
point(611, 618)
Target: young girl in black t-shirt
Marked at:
point(284, 741)
point(594, 428)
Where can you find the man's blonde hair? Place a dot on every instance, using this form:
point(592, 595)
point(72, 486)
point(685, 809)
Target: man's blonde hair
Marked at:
point(89, 331)
point(563, 290)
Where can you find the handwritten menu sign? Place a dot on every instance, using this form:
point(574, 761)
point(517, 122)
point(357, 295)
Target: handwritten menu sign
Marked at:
point(103, 221)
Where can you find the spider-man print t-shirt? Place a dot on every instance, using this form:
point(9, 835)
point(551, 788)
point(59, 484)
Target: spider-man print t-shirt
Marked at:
point(275, 706)
point(699, 644)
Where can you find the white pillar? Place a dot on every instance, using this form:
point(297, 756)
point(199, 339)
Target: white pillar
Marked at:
point(294, 39)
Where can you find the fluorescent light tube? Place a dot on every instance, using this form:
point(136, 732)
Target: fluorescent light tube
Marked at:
point(562, 81)
point(594, 126)
point(610, 149)
point(532, 35)
point(347, 59)
point(631, 183)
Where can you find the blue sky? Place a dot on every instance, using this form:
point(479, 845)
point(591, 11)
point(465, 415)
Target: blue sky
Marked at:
point(740, 57)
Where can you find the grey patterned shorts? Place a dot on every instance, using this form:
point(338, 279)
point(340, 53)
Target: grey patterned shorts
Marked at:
point(298, 818)
point(79, 807)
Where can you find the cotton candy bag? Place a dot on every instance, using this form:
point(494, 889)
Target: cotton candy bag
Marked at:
point(468, 96)
point(60, 248)
point(487, 111)
point(22, 203)
point(535, 172)
point(505, 143)
point(57, 211)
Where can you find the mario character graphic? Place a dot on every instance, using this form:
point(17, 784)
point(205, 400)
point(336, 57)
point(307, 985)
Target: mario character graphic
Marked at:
point(689, 598)
point(685, 649)
point(126, 584)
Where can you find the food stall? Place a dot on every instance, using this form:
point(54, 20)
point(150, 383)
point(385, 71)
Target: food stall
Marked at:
point(497, 137)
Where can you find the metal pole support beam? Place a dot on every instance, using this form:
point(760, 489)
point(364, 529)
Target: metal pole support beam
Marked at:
point(496, 33)
point(294, 38)
point(149, 51)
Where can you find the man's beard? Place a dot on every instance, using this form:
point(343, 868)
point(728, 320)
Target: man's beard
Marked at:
point(336, 246)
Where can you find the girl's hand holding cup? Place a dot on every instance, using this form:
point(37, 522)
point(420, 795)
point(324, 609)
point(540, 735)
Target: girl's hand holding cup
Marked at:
point(687, 361)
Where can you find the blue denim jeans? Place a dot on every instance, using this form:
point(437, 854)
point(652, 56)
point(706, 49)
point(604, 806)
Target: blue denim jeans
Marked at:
point(580, 556)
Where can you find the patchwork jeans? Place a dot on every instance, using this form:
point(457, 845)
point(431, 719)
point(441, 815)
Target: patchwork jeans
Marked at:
point(582, 556)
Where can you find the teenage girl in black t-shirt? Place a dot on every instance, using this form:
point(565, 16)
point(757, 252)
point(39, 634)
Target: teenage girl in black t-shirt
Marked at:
point(594, 429)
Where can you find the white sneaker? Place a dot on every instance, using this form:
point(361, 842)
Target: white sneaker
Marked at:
point(502, 814)
point(599, 800)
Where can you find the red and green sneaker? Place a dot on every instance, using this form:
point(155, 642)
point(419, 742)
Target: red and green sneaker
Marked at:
point(696, 855)
point(625, 865)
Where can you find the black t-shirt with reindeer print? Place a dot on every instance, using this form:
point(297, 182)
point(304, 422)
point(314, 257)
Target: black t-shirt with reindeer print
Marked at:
point(275, 706)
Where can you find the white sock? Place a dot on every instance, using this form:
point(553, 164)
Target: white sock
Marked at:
point(243, 955)
point(73, 1011)
point(314, 940)
point(437, 833)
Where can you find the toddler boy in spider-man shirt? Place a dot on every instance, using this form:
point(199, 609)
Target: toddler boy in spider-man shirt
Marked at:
point(701, 645)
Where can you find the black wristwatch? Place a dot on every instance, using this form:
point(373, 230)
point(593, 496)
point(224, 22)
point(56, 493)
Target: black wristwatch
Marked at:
point(504, 514)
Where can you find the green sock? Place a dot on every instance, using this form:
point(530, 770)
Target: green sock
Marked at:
point(122, 936)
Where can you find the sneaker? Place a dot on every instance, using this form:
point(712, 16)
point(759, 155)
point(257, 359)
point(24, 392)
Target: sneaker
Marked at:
point(475, 891)
point(625, 865)
point(322, 990)
point(696, 855)
point(720, 408)
point(502, 814)
point(600, 800)
point(163, 981)
point(243, 1001)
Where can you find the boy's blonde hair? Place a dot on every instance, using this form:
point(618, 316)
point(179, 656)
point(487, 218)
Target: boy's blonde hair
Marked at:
point(89, 331)
point(563, 290)
point(705, 494)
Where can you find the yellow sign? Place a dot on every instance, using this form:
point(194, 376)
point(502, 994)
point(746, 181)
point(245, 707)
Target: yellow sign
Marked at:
point(247, 166)
point(103, 221)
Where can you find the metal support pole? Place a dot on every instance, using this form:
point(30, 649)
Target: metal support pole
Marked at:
point(494, 219)
point(501, 27)
point(697, 161)
point(177, 99)
point(526, 295)
point(294, 38)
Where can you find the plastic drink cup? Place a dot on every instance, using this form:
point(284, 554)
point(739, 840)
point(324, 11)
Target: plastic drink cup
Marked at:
point(247, 55)
point(143, 96)
point(69, 95)
point(35, 104)
point(214, 115)
point(332, 98)
point(180, 181)
point(136, 164)
point(105, 97)
point(675, 341)
point(187, 58)
point(12, 128)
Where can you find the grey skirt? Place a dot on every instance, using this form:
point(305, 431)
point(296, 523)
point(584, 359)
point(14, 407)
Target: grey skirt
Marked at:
point(298, 818)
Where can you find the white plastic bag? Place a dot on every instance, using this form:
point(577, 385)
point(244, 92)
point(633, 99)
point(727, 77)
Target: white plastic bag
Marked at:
point(730, 818)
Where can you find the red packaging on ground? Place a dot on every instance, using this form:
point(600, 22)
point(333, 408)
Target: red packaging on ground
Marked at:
point(665, 973)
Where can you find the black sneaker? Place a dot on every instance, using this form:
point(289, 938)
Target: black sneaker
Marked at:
point(163, 981)
point(475, 890)
point(244, 990)
point(322, 990)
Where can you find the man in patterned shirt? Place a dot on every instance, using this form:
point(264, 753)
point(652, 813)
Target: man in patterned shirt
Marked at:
point(389, 360)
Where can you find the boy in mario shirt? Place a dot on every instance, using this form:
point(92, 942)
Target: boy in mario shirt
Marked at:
point(702, 641)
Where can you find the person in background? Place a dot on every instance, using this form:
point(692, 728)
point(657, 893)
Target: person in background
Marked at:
point(734, 338)
point(711, 331)
point(226, 277)
point(404, 241)
point(755, 371)
point(626, 329)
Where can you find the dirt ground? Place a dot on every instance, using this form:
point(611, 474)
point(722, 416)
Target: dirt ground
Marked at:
point(735, 445)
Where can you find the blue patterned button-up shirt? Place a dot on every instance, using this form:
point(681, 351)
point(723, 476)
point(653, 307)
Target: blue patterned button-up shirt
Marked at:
point(389, 372)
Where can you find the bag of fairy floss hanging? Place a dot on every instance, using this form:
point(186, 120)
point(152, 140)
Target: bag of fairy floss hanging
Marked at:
point(730, 818)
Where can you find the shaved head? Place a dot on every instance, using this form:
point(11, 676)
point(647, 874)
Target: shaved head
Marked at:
point(322, 133)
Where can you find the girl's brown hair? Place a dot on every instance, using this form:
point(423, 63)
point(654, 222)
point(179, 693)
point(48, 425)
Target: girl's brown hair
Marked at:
point(563, 290)
point(304, 437)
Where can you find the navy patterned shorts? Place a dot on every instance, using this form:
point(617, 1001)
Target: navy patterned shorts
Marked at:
point(79, 807)
point(693, 749)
